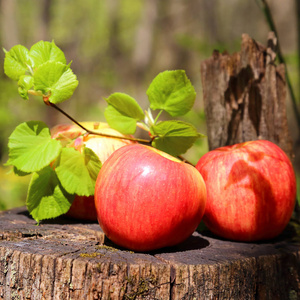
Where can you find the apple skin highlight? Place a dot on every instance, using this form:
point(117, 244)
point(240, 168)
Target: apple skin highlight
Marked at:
point(146, 199)
point(251, 190)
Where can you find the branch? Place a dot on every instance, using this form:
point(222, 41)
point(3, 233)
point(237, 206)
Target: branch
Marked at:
point(268, 15)
point(142, 141)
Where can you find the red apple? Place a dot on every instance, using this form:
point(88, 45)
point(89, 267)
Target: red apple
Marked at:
point(251, 190)
point(83, 208)
point(147, 199)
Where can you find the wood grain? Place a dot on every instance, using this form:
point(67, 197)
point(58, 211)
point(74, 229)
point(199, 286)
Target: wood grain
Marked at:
point(63, 259)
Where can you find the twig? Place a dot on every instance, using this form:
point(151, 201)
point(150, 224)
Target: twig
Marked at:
point(266, 9)
point(142, 141)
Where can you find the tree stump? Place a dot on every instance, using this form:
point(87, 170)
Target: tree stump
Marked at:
point(245, 96)
point(63, 259)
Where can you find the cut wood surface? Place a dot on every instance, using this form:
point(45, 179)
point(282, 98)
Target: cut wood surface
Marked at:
point(64, 259)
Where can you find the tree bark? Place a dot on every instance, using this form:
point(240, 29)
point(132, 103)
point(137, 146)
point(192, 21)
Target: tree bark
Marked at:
point(63, 259)
point(43, 20)
point(245, 96)
point(143, 48)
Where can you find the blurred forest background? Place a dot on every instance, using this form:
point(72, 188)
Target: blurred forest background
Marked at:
point(120, 46)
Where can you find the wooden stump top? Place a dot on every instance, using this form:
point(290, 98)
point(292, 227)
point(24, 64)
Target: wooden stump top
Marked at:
point(65, 259)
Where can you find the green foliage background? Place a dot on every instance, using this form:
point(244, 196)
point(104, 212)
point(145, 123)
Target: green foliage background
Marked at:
point(120, 46)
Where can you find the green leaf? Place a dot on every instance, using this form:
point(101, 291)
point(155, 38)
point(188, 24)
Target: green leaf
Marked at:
point(173, 92)
point(123, 112)
point(31, 147)
point(16, 62)
point(174, 137)
point(20, 173)
point(119, 122)
point(25, 83)
point(77, 171)
point(42, 52)
point(46, 198)
point(56, 80)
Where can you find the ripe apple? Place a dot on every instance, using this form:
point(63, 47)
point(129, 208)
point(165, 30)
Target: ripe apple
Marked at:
point(147, 199)
point(83, 207)
point(251, 190)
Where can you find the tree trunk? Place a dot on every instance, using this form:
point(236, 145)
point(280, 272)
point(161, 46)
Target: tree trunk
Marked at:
point(63, 259)
point(245, 96)
point(142, 51)
point(9, 26)
point(43, 20)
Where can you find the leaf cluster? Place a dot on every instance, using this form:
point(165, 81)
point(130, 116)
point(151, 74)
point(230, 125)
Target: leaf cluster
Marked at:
point(42, 70)
point(56, 169)
point(170, 91)
point(59, 171)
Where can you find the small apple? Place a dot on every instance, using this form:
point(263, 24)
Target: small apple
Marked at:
point(83, 207)
point(251, 190)
point(147, 199)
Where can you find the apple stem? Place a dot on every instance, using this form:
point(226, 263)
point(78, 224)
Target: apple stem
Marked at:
point(142, 141)
point(185, 160)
